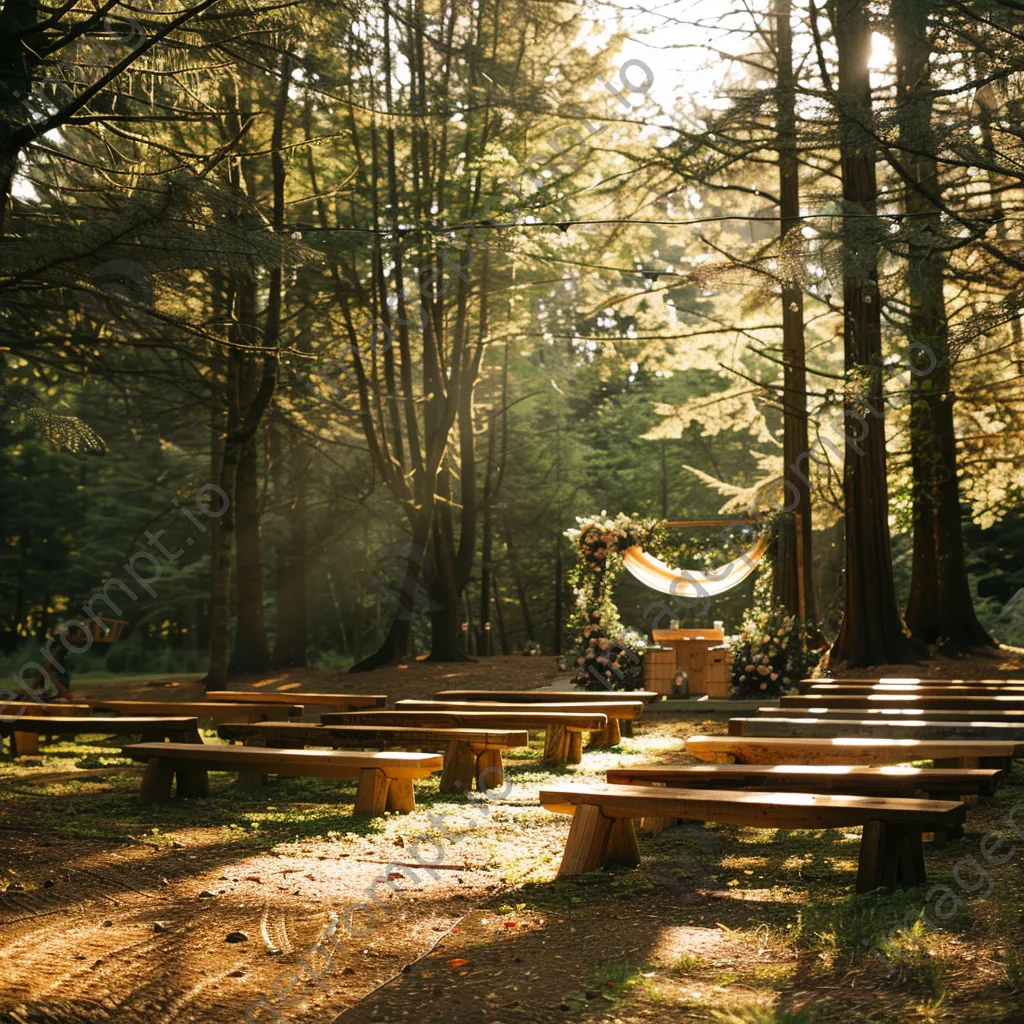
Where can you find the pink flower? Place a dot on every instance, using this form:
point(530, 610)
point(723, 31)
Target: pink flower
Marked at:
point(593, 642)
point(604, 643)
point(586, 630)
point(764, 686)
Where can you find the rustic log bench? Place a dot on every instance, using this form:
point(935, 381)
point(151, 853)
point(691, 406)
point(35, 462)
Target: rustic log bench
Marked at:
point(385, 779)
point(908, 681)
point(934, 783)
point(564, 731)
point(28, 742)
point(471, 755)
point(851, 750)
point(625, 726)
point(341, 701)
point(25, 732)
point(616, 711)
point(549, 696)
point(201, 709)
point(894, 714)
point(899, 690)
point(910, 729)
point(892, 781)
point(891, 851)
point(969, 705)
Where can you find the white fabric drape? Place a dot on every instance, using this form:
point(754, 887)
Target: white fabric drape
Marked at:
point(654, 573)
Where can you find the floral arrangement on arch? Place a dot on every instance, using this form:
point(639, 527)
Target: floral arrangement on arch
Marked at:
point(607, 655)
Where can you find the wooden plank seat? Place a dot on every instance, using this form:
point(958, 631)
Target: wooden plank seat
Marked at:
point(891, 850)
point(857, 780)
point(385, 779)
point(17, 708)
point(201, 709)
point(28, 742)
point(908, 681)
point(549, 696)
point(563, 742)
point(616, 711)
point(610, 739)
point(342, 701)
point(924, 714)
point(891, 781)
point(471, 755)
point(851, 750)
point(910, 728)
point(952, 690)
point(25, 732)
point(969, 705)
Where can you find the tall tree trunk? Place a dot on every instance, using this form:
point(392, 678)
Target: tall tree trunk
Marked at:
point(940, 610)
point(395, 644)
point(251, 652)
point(445, 614)
point(794, 561)
point(517, 576)
point(221, 544)
point(290, 632)
point(486, 563)
point(872, 631)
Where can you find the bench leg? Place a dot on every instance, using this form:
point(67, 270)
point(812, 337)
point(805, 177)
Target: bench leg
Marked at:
point(587, 845)
point(556, 745)
point(626, 727)
point(193, 781)
point(609, 736)
point(156, 782)
point(622, 845)
point(890, 858)
point(575, 747)
point(25, 743)
point(401, 797)
point(490, 772)
point(459, 768)
point(372, 794)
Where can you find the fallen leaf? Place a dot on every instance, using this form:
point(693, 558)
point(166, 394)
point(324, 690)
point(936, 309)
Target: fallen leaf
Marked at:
point(457, 962)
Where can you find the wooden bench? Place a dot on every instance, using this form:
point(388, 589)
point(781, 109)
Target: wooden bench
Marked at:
point(549, 696)
point(342, 701)
point(25, 732)
point(28, 742)
point(891, 851)
point(563, 742)
point(969, 705)
point(890, 781)
point(922, 714)
point(851, 750)
point(471, 755)
point(934, 783)
point(616, 711)
point(911, 729)
point(625, 727)
point(908, 681)
point(201, 709)
point(953, 690)
point(385, 779)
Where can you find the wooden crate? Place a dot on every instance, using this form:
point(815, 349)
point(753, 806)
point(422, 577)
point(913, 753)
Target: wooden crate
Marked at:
point(660, 669)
